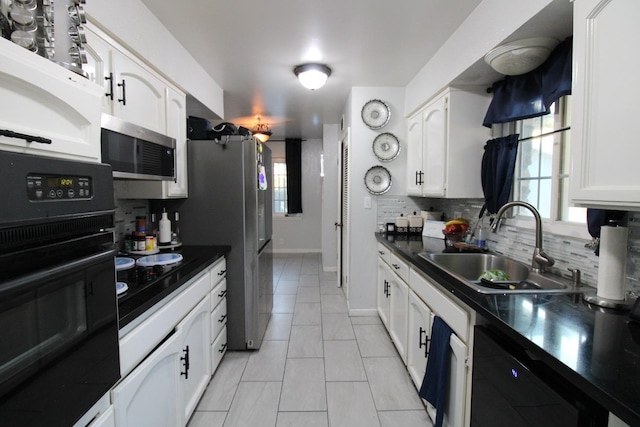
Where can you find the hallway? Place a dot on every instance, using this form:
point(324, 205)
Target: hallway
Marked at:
point(316, 367)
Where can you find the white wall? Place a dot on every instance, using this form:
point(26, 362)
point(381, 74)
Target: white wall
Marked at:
point(301, 233)
point(362, 224)
point(131, 23)
point(487, 26)
point(330, 195)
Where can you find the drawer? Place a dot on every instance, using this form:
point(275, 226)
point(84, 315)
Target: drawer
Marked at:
point(218, 272)
point(455, 316)
point(218, 293)
point(399, 267)
point(384, 253)
point(218, 320)
point(218, 349)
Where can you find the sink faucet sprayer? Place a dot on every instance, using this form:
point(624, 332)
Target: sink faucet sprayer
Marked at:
point(540, 259)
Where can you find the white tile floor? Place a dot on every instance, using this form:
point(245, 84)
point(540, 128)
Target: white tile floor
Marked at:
point(317, 366)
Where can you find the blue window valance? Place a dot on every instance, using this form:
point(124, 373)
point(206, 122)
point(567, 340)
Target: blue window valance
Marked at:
point(531, 94)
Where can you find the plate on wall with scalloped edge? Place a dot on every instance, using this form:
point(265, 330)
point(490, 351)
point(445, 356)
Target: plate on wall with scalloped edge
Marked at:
point(375, 114)
point(377, 180)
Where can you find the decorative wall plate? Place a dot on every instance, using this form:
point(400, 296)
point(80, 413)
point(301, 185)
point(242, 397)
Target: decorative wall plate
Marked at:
point(376, 114)
point(386, 147)
point(377, 180)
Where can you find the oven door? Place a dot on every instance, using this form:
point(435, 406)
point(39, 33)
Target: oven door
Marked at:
point(59, 351)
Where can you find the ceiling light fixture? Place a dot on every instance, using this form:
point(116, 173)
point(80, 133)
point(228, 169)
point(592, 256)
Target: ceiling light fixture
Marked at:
point(312, 76)
point(261, 131)
point(520, 56)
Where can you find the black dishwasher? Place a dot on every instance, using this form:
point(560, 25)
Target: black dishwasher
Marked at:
point(510, 389)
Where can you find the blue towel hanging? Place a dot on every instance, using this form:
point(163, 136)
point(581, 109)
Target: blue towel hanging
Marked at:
point(435, 383)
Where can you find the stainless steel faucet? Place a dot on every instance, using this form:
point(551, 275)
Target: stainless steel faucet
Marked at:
point(540, 259)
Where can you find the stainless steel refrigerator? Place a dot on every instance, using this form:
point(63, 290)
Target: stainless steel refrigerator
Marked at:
point(226, 207)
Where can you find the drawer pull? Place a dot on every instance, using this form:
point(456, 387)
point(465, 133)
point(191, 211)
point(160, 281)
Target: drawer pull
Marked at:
point(222, 272)
point(222, 348)
point(222, 294)
point(381, 252)
point(396, 266)
point(221, 319)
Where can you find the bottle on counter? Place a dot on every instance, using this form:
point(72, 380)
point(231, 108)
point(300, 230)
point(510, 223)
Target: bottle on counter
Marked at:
point(481, 237)
point(164, 229)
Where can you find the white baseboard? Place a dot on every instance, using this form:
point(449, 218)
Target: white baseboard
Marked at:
point(297, 251)
point(363, 312)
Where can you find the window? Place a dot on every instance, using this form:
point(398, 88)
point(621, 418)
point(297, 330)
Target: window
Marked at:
point(542, 168)
point(279, 186)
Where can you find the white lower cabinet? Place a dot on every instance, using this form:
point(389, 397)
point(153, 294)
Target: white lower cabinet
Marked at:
point(407, 302)
point(164, 378)
point(382, 289)
point(218, 317)
point(419, 329)
point(195, 369)
point(150, 395)
point(398, 314)
point(165, 388)
point(107, 419)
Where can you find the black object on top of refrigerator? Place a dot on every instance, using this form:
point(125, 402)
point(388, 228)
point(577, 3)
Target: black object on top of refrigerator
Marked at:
point(226, 207)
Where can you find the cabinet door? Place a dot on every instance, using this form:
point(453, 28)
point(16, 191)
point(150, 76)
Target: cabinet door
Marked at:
point(194, 331)
point(150, 394)
point(384, 272)
point(457, 401)
point(99, 66)
point(398, 314)
point(434, 144)
point(419, 330)
point(139, 95)
point(414, 156)
point(605, 104)
point(177, 129)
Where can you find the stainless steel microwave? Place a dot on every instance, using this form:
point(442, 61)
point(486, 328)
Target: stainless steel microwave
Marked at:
point(135, 152)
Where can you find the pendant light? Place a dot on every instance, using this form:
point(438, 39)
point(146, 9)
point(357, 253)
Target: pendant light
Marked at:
point(261, 131)
point(312, 76)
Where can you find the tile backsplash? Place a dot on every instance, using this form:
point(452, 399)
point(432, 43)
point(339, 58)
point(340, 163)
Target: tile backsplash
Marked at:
point(569, 252)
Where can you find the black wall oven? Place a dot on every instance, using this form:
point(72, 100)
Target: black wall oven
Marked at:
point(58, 309)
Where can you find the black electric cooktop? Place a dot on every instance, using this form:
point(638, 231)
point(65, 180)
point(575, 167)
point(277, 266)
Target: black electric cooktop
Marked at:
point(148, 285)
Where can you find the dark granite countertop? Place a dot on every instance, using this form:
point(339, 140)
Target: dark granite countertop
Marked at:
point(195, 259)
point(596, 349)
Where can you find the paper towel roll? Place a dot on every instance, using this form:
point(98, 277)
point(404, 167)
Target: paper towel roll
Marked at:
point(613, 263)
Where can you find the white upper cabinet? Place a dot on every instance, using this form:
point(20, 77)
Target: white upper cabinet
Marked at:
point(604, 151)
point(445, 146)
point(132, 92)
point(44, 100)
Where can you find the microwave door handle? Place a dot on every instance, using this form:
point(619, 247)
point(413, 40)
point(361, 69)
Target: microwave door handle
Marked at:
point(40, 275)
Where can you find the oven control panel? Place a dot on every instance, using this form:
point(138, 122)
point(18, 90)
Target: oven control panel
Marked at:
point(42, 187)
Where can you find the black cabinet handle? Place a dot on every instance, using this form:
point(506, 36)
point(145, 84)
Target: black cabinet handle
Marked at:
point(124, 93)
point(222, 348)
point(110, 93)
point(222, 294)
point(185, 363)
point(419, 177)
point(424, 343)
point(396, 266)
point(28, 138)
point(222, 272)
point(221, 319)
point(381, 252)
point(386, 289)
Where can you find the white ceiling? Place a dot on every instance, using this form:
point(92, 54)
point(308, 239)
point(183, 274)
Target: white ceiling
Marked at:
point(250, 47)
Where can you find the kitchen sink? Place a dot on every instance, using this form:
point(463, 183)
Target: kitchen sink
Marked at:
point(468, 267)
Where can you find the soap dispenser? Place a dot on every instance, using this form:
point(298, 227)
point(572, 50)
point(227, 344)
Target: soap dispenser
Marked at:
point(164, 237)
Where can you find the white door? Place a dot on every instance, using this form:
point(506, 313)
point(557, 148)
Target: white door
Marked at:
point(195, 364)
point(342, 225)
point(382, 289)
point(150, 395)
point(418, 332)
point(398, 314)
point(435, 147)
point(415, 174)
point(139, 95)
